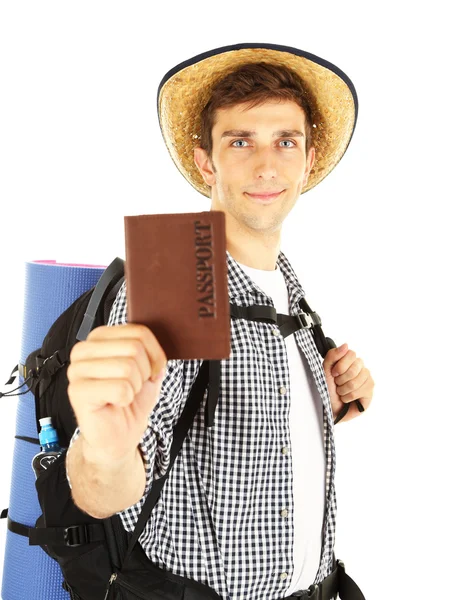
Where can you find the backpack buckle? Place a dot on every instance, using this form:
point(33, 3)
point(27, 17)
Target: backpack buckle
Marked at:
point(305, 320)
point(76, 535)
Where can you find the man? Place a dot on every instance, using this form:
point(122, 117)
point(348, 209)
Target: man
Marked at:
point(249, 507)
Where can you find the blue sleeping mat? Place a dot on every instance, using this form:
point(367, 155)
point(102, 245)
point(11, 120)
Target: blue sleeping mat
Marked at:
point(50, 288)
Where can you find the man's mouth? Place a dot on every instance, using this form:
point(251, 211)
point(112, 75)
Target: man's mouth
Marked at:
point(265, 198)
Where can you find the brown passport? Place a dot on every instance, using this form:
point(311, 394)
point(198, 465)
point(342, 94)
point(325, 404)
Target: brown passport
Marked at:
point(177, 282)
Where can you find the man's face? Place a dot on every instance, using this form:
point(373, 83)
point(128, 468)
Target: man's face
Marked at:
point(260, 150)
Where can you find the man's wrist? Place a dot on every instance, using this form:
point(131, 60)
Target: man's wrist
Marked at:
point(98, 458)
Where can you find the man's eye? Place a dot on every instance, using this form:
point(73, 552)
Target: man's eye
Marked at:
point(288, 142)
point(237, 141)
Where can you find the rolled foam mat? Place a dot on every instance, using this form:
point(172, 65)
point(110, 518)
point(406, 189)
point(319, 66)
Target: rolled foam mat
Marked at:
point(28, 572)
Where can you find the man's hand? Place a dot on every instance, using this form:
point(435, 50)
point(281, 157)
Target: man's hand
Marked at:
point(347, 380)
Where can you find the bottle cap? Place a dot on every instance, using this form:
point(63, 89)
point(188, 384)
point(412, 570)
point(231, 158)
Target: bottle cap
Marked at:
point(48, 434)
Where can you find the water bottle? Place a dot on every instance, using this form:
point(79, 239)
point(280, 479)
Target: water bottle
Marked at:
point(49, 443)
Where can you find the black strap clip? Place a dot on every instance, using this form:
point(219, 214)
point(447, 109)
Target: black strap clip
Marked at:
point(76, 535)
point(305, 320)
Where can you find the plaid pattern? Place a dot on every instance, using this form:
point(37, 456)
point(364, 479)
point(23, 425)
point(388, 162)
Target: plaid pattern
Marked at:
point(217, 520)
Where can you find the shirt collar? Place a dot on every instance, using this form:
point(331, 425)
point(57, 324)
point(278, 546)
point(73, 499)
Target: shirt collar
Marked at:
point(244, 291)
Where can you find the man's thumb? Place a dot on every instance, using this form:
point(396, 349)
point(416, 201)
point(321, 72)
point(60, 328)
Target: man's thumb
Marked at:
point(159, 376)
point(333, 356)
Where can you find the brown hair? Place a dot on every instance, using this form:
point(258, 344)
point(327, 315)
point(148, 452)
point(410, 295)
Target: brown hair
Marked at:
point(254, 84)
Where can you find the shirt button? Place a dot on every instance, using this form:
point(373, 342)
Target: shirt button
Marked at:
point(283, 576)
point(284, 512)
point(276, 332)
point(285, 450)
point(282, 390)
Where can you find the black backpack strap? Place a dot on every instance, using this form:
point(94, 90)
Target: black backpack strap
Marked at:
point(254, 313)
point(348, 589)
point(112, 273)
point(117, 539)
point(26, 438)
point(73, 595)
point(14, 526)
point(213, 392)
point(47, 367)
point(74, 535)
point(251, 313)
point(12, 376)
point(320, 340)
point(28, 373)
point(288, 324)
point(324, 344)
point(180, 430)
point(110, 299)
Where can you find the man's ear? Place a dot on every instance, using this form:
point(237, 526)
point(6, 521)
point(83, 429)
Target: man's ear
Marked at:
point(204, 164)
point(309, 164)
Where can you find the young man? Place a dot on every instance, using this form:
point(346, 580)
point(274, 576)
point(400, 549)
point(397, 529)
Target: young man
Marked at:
point(249, 508)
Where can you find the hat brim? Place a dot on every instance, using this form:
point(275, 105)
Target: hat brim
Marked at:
point(185, 90)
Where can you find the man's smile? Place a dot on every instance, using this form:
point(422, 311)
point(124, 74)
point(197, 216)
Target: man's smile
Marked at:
point(264, 198)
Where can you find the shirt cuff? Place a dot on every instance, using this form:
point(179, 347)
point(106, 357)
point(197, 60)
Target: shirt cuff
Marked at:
point(74, 437)
point(155, 449)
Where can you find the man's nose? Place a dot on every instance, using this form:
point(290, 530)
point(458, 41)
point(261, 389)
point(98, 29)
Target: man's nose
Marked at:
point(265, 164)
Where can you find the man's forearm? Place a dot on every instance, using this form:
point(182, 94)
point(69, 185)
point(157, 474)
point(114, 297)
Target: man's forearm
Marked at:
point(102, 490)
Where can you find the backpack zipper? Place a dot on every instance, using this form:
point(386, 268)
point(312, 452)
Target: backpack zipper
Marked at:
point(111, 580)
point(124, 584)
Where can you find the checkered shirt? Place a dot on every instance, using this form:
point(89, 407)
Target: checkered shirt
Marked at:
point(218, 519)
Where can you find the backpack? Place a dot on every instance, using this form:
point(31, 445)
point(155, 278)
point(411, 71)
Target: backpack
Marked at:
point(89, 550)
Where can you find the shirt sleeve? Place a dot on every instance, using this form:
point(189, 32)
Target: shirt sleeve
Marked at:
point(156, 442)
point(74, 437)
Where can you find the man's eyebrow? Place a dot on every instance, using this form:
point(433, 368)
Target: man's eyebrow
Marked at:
point(247, 133)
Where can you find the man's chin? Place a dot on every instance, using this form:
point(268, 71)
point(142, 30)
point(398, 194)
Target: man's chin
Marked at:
point(260, 224)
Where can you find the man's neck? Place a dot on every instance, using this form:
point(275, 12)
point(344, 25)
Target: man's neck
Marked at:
point(256, 249)
point(252, 252)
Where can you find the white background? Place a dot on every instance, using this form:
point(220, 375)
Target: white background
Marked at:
point(373, 245)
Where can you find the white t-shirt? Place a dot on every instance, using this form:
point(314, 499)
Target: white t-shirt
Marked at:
point(306, 433)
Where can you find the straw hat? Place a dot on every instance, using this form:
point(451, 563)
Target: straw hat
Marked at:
point(185, 90)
